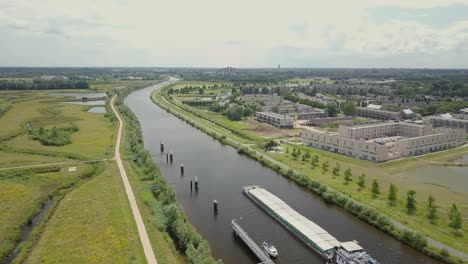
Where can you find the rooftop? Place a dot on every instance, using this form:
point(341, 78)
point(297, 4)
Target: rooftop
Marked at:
point(374, 106)
point(384, 124)
point(351, 246)
point(274, 114)
point(446, 116)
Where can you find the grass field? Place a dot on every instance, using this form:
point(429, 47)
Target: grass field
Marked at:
point(14, 159)
point(22, 194)
point(386, 173)
point(93, 224)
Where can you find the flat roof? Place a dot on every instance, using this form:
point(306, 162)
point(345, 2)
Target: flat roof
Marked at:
point(351, 246)
point(308, 228)
point(274, 114)
point(374, 106)
point(385, 124)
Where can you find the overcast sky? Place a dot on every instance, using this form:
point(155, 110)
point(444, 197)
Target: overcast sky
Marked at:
point(238, 33)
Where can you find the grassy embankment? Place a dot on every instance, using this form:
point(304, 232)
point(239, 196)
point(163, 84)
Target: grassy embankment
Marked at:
point(440, 231)
point(90, 218)
point(165, 221)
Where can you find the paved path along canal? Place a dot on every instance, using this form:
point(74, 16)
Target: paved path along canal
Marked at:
point(149, 254)
point(222, 173)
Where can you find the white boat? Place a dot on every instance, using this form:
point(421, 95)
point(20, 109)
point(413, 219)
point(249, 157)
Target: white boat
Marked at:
point(270, 249)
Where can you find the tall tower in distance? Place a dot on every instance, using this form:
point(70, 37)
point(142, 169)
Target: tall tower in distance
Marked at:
point(279, 66)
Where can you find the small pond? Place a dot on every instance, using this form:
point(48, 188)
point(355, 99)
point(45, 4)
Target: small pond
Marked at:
point(97, 110)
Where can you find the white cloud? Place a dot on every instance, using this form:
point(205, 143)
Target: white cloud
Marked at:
point(215, 33)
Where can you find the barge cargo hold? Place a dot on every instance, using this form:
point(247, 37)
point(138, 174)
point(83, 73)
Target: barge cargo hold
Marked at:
point(328, 247)
point(313, 235)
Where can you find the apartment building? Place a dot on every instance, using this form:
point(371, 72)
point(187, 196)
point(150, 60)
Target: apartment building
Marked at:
point(388, 129)
point(449, 122)
point(385, 141)
point(312, 114)
point(277, 120)
point(464, 113)
point(375, 113)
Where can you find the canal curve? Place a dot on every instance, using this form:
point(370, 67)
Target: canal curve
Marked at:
point(222, 173)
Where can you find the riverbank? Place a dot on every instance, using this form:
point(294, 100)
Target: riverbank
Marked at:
point(369, 214)
point(161, 211)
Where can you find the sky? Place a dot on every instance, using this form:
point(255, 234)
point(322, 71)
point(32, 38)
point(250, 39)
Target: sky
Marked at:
point(237, 33)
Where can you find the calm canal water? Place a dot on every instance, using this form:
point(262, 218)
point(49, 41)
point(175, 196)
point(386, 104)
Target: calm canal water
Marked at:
point(222, 173)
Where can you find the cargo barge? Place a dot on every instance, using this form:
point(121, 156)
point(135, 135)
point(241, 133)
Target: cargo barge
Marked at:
point(319, 240)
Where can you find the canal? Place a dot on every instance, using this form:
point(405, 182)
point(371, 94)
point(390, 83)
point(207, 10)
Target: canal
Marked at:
point(222, 173)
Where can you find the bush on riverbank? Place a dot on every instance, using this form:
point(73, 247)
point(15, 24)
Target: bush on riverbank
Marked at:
point(172, 220)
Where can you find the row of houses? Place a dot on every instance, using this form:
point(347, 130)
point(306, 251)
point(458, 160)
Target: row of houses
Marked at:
point(376, 112)
point(274, 119)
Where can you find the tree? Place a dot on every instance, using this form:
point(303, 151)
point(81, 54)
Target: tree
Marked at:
point(331, 110)
point(315, 161)
point(456, 220)
point(348, 176)
point(349, 108)
point(392, 195)
point(325, 166)
point(275, 109)
point(307, 154)
point(432, 213)
point(248, 112)
point(295, 154)
point(235, 113)
point(270, 145)
point(336, 170)
point(201, 91)
point(411, 202)
point(362, 181)
point(375, 188)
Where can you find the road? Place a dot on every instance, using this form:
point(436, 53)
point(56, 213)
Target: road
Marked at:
point(149, 254)
point(430, 241)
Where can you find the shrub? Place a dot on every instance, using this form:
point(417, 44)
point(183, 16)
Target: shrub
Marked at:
point(55, 136)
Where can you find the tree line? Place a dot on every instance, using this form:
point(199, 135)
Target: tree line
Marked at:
point(38, 84)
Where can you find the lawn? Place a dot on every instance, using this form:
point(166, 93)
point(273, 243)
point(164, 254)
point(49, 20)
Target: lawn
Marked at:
point(93, 224)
